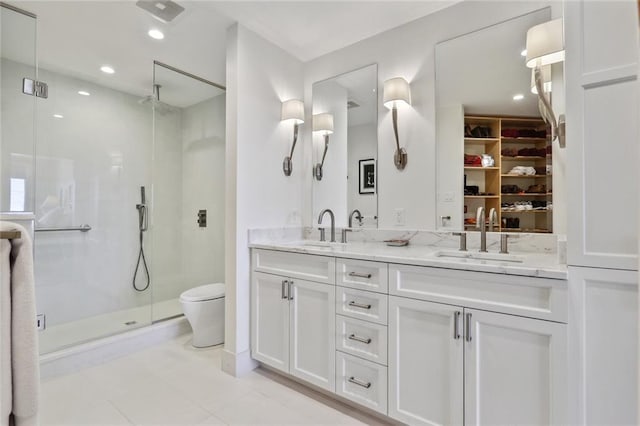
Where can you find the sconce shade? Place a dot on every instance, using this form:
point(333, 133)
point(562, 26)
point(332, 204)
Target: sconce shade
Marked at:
point(323, 123)
point(545, 44)
point(396, 90)
point(293, 109)
point(546, 79)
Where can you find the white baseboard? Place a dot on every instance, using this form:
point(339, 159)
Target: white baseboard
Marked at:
point(93, 353)
point(237, 364)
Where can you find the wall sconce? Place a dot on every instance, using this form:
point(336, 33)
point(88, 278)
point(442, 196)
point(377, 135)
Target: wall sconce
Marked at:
point(545, 46)
point(545, 73)
point(322, 123)
point(397, 90)
point(292, 109)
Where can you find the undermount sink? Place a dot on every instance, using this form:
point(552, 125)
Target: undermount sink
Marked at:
point(318, 244)
point(494, 257)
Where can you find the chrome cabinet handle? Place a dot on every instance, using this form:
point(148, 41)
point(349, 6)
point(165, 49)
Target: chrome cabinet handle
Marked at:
point(359, 305)
point(456, 325)
point(355, 381)
point(290, 290)
point(360, 339)
point(359, 275)
point(468, 327)
point(284, 286)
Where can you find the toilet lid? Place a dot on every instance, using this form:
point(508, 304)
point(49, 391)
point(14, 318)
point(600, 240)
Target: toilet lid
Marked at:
point(203, 292)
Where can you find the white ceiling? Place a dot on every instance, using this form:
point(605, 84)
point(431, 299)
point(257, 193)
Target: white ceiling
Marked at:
point(77, 37)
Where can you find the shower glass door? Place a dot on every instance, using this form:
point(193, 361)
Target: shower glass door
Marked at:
point(17, 114)
point(188, 182)
point(94, 153)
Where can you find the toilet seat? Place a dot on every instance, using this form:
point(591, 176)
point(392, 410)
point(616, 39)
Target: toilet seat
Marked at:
point(203, 293)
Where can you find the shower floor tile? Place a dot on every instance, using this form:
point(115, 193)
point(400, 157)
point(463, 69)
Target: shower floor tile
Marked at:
point(175, 384)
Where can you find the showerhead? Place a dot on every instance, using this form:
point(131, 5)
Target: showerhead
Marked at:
point(156, 103)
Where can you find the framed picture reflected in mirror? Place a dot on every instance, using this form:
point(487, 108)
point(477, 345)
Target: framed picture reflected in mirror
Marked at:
point(367, 176)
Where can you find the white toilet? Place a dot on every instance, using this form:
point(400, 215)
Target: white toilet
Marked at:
point(204, 308)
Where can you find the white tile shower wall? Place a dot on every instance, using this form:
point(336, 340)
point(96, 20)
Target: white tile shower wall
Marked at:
point(91, 164)
point(203, 185)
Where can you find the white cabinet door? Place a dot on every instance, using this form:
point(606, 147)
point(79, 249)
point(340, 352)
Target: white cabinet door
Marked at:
point(515, 370)
point(425, 362)
point(312, 333)
point(603, 346)
point(269, 321)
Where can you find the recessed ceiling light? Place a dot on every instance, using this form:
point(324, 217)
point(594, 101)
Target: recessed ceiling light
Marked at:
point(155, 33)
point(518, 97)
point(83, 93)
point(58, 115)
point(523, 53)
point(107, 69)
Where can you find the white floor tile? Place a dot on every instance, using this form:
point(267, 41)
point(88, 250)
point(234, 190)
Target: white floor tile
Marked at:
point(176, 384)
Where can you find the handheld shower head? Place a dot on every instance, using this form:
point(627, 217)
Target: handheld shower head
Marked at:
point(143, 198)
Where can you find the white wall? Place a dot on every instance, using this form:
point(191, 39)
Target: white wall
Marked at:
point(362, 146)
point(258, 194)
point(408, 51)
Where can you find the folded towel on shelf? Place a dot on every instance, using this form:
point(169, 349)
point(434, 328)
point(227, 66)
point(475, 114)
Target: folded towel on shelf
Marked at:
point(523, 171)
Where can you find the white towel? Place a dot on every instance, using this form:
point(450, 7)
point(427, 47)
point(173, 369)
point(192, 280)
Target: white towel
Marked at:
point(19, 367)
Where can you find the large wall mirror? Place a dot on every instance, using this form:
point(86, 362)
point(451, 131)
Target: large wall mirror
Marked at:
point(345, 147)
point(492, 145)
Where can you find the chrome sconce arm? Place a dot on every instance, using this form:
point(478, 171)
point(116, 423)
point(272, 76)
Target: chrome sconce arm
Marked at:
point(397, 90)
point(546, 111)
point(545, 46)
point(322, 123)
point(293, 110)
point(287, 165)
point(317, 169)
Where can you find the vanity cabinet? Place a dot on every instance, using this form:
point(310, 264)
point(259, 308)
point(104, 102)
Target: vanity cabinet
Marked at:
point(422, 345)
point(449, 363)
point(293, 320)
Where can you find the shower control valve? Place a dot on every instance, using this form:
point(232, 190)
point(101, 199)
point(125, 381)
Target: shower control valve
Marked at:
point(202, 218)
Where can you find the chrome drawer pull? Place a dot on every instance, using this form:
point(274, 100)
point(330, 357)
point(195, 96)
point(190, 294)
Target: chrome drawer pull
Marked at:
point(359, 339)
point(359, 305)
point(355, 381)
point(359, 275)
point(468, 327)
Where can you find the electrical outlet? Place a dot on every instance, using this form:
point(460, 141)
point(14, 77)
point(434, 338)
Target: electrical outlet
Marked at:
point(40, 322)
point(447, 197)
point(399, 217)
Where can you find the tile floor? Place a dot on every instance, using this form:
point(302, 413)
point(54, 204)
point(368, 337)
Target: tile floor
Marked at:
point(175, 384)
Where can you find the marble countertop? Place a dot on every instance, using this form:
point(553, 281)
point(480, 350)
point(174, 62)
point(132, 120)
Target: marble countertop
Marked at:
point(542, 265)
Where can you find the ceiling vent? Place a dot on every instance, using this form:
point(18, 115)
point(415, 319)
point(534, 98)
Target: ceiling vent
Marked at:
point(164, 10)
point(352, 104)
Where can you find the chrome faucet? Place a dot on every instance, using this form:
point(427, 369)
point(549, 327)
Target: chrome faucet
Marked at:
point(482, 226)
point(493, 219)
point(333, 225)
point(358, 216)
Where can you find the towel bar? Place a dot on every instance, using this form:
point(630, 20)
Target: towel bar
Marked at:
point(81, 228)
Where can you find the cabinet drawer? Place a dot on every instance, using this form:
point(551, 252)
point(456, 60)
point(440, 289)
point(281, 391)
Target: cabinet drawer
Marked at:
point(518, 295)
point(320, 269)
point(362, 381)
point(362, 304)
point(362, 274)
point(362, 338)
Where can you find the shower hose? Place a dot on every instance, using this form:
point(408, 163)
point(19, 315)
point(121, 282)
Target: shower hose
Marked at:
point(141, 258)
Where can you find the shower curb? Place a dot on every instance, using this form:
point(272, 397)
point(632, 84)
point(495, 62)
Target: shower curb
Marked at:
point(75, 358)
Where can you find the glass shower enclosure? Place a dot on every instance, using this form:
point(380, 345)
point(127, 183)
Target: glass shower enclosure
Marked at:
point(74, 164)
